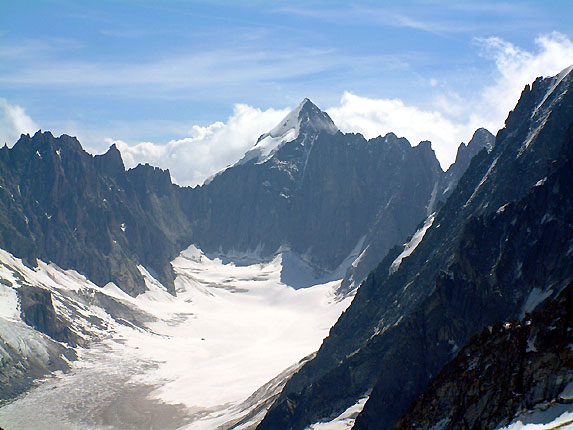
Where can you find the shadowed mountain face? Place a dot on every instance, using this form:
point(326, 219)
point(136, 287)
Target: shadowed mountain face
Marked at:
point(379, 241)
point(505, 264)
point(485, 256)
point(58, 203)
point(317, 195)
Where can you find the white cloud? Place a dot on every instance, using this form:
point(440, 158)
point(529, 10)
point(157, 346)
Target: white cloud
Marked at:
point(373, 117)
point(209, 149)
point(13, 122)
point(517, 67)
point(453, 119)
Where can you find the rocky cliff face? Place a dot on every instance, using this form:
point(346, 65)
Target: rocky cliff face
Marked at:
point(481, 139)
point(506, 263)
point(510, 368)
point(472, 267)
point(379, 240)
point(61, 204)
point(37, 310)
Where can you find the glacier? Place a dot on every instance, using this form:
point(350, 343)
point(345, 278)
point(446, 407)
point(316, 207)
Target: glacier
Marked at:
point(211, 356)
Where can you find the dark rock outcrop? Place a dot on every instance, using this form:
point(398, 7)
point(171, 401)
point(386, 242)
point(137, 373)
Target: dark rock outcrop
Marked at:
point(509, 368)
point(37, 310)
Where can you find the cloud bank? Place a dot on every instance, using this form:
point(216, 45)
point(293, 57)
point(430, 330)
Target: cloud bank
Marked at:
point(452, 118)
point(209, 149)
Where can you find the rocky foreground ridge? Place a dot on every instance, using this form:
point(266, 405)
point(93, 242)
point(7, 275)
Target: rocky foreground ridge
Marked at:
point(510, 370)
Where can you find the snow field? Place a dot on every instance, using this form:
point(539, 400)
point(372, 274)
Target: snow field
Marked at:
point(230, 329)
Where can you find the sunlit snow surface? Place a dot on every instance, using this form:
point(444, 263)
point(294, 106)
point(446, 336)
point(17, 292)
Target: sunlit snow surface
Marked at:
point(412, 244)
point(344, 421)
point(196, 360)
point(555, 417)
point(269, 143)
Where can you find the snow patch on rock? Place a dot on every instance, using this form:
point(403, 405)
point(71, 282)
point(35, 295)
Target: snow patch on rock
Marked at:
point(344, 421)
point(412, 244)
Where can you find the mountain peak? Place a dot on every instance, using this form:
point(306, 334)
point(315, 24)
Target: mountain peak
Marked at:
point(306, 115)
point(482, 138)
point(111, 162)
point(43, 141)
point(305, 119)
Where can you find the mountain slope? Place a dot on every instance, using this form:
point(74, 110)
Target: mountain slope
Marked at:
point(310, 189)
point(213, 355)
point(378, 240)
point(506, 264)
point(385, 330)
point(507, 373)
point(61, 204)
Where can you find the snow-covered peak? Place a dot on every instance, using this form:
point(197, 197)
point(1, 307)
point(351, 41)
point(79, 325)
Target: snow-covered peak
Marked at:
point(287, 125)
point(306, 118)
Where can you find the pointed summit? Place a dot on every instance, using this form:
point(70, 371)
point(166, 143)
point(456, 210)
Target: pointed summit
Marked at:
point(481, 139)
point(306, 116)
point(306, 119)
point(111, 162)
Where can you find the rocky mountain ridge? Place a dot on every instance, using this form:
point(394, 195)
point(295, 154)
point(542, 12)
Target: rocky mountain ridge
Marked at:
point(86, 212)
point(404, 324)
point(506, 263)
point(315, 181)
point(61, 204)
point(90, 214)
point(377, 244)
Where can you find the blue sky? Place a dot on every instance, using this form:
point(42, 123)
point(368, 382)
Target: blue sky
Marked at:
point(171, 71)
